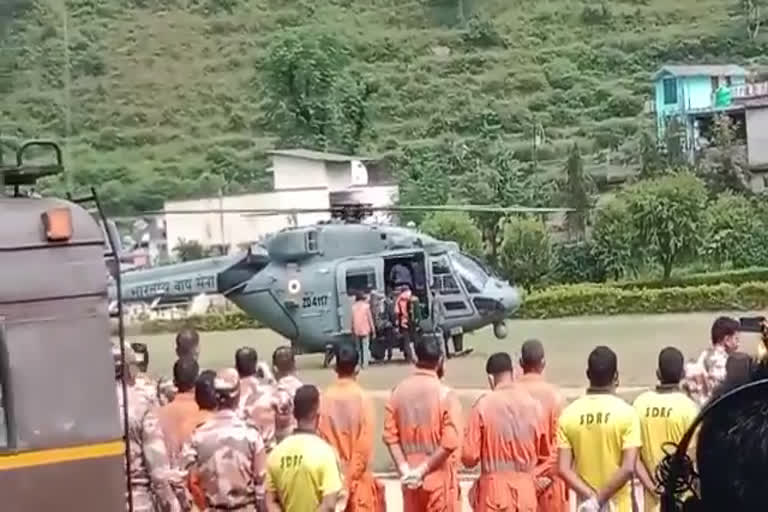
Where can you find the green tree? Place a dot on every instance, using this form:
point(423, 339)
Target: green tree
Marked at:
point(526, 252)
point(457, 227)
point(668, 213)
point(614, 239)
point(650, 159)
point(675, 144)
point(190, 250)
point(724, 167)
point(576, 190)
point(734, 234)
point(314, 99)
point(750, 12)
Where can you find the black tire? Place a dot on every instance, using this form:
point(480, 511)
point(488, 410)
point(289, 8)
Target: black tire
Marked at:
point(458, 343)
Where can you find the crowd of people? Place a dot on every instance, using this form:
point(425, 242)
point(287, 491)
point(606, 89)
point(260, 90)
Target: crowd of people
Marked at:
point(256, 438)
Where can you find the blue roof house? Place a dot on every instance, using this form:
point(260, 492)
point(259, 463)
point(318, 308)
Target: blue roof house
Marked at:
point(688, 93)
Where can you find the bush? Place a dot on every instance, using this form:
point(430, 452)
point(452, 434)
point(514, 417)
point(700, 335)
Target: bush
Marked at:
point(457, 227)
point(576, 263)
point(734, 277)
point(526, 251)
point(590, 299)
point(211, 322)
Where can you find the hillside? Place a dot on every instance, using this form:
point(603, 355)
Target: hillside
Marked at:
point(167, 98)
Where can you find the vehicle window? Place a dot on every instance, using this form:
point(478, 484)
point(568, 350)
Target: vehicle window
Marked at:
point(3, 395)
point(3, 419)
point(361, 279)
point(445, 283)
point(312, 241)
point(472, 275)
point(455, 306)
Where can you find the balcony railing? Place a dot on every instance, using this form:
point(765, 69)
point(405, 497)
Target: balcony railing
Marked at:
point(753, 90)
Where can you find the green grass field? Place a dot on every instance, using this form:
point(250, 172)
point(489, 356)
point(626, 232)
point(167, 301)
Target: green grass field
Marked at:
point(636, 339)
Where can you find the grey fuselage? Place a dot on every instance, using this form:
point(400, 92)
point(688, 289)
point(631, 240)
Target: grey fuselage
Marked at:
point(304, 288)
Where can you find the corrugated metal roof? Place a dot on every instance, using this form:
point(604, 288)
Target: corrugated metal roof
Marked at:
point(308, 154)
point(702, 70)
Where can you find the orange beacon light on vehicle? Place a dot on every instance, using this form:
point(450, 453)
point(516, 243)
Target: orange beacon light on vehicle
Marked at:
point(58, 224)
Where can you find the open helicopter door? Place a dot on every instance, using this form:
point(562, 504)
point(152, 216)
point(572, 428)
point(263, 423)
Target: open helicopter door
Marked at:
point(352, 276)
point(446, 285)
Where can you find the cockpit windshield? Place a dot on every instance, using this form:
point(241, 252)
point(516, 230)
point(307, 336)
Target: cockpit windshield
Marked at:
point(471, 273)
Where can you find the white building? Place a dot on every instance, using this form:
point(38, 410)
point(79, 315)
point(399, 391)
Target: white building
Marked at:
point(303, 179)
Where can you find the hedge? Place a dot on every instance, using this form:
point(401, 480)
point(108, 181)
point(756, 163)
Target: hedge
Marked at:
point(555, 302)
point(734, 277)
point(212, 322)
point(591, 299)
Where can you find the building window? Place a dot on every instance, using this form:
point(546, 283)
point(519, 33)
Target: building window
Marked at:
point(670, 91)
point(361, 280)
point(312, 241)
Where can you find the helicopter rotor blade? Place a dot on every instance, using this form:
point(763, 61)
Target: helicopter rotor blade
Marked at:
point(255, 212)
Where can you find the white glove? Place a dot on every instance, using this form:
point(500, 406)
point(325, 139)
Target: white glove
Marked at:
point(591, 505)
point(404, 469)
point(415, 478)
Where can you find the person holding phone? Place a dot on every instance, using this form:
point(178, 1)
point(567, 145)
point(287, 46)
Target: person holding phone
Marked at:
point(709, 371)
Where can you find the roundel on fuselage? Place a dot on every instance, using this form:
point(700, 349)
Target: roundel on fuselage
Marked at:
point(294, 286)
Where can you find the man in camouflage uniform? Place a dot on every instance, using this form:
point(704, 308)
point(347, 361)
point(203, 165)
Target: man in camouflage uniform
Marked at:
point(709, 370)
point(143, 380)
point(256, 396)
point(284, 363)
point(226, 455)
point(187, 345)
point(155, 487)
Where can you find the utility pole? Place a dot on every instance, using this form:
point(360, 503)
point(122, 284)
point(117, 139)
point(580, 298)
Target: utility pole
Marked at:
point(67, 95)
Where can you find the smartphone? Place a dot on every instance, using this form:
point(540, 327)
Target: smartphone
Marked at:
point(751, 323)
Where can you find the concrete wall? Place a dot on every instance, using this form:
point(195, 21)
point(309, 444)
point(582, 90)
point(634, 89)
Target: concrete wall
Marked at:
point(757, 136)
point(697, 92)
point(339, 175)
point(292, 173)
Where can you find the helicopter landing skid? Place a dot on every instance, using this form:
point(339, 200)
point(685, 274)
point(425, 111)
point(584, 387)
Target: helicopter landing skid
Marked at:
point(461, 353)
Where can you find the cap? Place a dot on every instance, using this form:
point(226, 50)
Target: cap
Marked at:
point(130, 355)
point(227, 381)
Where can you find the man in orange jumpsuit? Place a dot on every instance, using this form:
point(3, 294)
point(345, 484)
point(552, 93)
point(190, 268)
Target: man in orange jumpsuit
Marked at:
point(507, 436)
point(420, 433)
point(180, 417)
point(553, 494)
point(347, 423)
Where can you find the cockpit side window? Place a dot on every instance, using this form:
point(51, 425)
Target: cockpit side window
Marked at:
point(471, 273)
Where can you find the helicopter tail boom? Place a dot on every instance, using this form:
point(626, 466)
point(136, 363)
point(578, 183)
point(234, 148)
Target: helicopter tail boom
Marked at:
point(174, 281)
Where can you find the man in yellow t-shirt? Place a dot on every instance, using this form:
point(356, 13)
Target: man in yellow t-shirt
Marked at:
point(665, 415)
point(303, 471)
point(598, 436)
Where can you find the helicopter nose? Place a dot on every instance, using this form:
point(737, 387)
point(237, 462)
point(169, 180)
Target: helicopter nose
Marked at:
point(511, 298)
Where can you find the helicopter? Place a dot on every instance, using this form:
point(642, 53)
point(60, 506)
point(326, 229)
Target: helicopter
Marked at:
point(302, 282)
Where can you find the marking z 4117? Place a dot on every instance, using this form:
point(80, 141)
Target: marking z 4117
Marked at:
point(314, 301)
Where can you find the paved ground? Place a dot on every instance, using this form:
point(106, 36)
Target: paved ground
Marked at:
point(395, 498)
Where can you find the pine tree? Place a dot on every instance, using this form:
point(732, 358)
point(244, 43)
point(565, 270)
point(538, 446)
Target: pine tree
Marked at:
point(577, 194)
